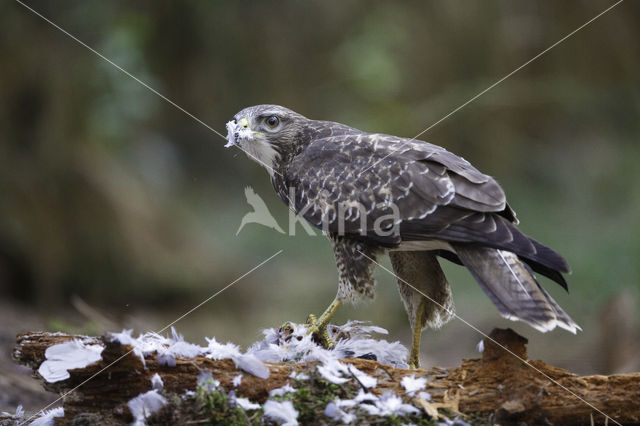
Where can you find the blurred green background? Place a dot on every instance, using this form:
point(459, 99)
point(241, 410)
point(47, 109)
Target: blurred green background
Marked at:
point(118, 210)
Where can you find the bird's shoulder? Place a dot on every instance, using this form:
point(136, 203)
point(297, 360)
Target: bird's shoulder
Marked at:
point(343, 168)
point(330, 144)
point(330, 137)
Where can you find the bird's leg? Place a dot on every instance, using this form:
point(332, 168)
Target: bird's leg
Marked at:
point(414, 355)
point(318, 326)
point(425, 293)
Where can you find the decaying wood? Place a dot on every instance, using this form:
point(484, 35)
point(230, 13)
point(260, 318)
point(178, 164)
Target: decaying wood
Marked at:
point(499, 387)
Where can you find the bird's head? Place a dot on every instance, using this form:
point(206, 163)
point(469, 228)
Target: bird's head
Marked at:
point(265, 132)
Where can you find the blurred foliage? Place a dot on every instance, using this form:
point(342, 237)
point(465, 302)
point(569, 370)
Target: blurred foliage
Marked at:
point(113, 194)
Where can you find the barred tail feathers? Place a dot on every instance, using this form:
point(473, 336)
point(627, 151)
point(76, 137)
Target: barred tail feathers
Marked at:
point(512, 287)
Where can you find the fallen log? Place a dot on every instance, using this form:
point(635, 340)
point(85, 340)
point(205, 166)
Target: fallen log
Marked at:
point(502, 387)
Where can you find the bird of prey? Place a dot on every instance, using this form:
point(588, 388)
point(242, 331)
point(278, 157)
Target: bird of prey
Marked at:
point(374, 194)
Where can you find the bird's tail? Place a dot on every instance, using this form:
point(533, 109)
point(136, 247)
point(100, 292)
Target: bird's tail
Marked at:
point(512, 287)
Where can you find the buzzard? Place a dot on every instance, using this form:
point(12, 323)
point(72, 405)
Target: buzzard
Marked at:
point(374, 194)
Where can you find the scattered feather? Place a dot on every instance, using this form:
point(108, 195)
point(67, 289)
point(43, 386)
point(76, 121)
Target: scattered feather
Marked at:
point(166, 359)
point(67, 356)
point(480, 346)
point(365, 380)
point(388, 405)
point(456, 422)
point(364, 396)
point(156, 382)
point(167, 349)
point(281, 411)
point(424, 395)
point(124, 337)
point(299, 376)
point(247, 362)
point(333, 371)
point(216, 350)
point(47, 417)
point(144, 405)
point(281, 391)
point(236, 381)
point(19, 412)
point(412, 384)
point(344, 410)
point(335, 410)
point(251, 364)
point(245, 404)
point(166, 356)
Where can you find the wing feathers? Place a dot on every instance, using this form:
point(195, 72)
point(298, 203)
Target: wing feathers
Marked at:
point(438, 195)
point(482, 197)
point(487, 229)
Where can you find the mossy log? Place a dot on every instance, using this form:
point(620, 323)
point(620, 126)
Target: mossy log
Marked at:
point(498, 388)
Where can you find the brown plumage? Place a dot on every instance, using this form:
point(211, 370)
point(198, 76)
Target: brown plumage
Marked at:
point(373, 194)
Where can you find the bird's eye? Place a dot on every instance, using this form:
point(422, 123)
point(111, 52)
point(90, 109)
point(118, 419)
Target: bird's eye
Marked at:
point(272, 121)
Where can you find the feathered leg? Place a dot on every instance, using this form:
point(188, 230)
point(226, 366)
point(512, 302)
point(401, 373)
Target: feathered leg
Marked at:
point(420, 269)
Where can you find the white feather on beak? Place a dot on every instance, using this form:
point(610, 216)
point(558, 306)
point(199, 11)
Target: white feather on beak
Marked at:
point(254, 144)
point(236, 131)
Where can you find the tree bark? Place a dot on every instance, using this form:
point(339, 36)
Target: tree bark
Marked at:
point(498, 388)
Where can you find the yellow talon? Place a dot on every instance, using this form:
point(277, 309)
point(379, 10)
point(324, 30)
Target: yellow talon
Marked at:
point(318, 326)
